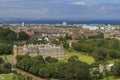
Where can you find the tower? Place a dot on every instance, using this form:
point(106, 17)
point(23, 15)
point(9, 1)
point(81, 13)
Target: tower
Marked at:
point(64, 23)
point(23, 24)
point(15, 50)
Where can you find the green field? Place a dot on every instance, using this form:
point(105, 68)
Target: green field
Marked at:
point(6, 56)
point(110, 78)
point(84, 58)
point(6, 76)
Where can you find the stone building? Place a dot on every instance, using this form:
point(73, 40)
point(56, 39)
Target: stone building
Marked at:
point(107, 35)
point(42, 49)
point(30, 32)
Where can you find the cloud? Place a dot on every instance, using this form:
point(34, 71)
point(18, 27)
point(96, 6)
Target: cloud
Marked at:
point(11, 12)
point(58, 8)
point(103, 8)
point(79, 3)
point(99, 9)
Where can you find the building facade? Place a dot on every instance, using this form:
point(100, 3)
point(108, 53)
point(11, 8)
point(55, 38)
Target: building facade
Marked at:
point(44, 50)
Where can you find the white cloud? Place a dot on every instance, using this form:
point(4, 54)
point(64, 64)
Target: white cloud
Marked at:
point(99, 9)
point(103, 8)
point(24, 12)
point(79, 3)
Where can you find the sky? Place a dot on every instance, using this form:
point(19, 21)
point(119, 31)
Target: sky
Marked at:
point(60, 9)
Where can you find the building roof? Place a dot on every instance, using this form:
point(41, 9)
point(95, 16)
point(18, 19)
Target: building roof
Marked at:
point(73, 41)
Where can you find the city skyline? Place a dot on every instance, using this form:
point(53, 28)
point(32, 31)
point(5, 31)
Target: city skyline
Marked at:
point(60, 9)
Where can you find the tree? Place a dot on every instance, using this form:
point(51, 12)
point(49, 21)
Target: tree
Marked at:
point(114, 55)
point(65, 45)
point(20, 57)
point(7, 67)
point(41, 59)
point(1, 60)
point(34, 69)
point(5, 49)
point(100, 54)
point(95, 71)
point(7, 35)
point(77, 70)
point(50, 71)
point(116, 69)
point(74, 69)
point(25, 64)
point(51, 59)
point(23, 36)
point(81, 71)
point(73, 59)
point(1, 69)
point(61, 70)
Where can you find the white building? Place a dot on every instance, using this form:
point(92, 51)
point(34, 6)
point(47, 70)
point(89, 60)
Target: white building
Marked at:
point(23, 24)
point(90, 27)
point(64, 23)
point(1, 24)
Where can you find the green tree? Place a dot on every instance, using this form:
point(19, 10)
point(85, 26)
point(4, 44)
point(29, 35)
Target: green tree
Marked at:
point(113, 54)
point(23, 36)
point(116, 69)
point(50, 59)
point(100, 54)
point(50, 71)
point(2, 60)
point(20, 57)
point(5, 49)
point(7, 67)
point(41, 59)
point(61, 70)
point(7, 35)
point(73, 59)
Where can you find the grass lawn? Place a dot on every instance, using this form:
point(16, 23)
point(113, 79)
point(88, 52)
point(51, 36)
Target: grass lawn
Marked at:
point(6, 76)
point(84, 58)
point(111, 61)
point(110, 78)
point(6, 56)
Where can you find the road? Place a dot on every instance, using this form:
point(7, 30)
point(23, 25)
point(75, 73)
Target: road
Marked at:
point(29, 74)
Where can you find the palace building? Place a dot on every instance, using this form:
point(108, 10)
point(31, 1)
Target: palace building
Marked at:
point(44, 50)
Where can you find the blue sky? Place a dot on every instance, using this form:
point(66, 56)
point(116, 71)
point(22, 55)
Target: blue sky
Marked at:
point(60, 9)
